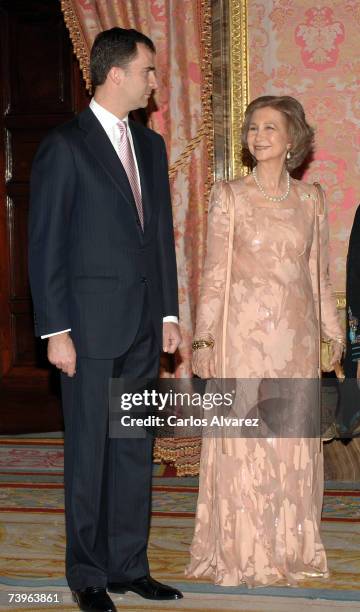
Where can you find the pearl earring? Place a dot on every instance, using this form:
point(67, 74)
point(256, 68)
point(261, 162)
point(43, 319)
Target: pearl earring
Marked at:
point(288, 155)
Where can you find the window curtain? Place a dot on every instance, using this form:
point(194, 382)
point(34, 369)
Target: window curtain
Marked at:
point(181, 31)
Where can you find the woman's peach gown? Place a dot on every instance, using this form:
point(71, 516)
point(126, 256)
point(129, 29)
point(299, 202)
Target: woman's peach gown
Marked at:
point(260, 499)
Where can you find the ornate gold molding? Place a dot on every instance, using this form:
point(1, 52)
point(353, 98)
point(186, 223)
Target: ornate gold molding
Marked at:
point(207, 90)
point(239, 80)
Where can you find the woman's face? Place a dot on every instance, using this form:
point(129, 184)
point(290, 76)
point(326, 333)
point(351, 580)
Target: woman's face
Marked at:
point(268, 137)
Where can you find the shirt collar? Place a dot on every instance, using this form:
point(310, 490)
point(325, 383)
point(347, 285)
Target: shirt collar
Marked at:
point(107, 119)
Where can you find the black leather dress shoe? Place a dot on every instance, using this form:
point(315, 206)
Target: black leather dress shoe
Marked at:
point(147, 587)
point(94, 599)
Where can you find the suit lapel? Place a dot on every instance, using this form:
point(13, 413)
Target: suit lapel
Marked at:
point(101, 148)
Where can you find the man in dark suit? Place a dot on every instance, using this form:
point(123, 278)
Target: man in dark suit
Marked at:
point(103, 279)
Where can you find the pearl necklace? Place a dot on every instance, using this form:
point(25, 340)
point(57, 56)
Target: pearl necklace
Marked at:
point(266, 195)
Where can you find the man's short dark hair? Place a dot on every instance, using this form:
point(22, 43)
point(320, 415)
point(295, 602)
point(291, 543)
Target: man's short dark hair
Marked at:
point(114, 47)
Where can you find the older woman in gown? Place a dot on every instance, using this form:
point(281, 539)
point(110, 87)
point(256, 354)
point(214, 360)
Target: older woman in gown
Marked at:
point(260, 498)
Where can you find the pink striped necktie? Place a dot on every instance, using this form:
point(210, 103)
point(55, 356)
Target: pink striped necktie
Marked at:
point(128, 161)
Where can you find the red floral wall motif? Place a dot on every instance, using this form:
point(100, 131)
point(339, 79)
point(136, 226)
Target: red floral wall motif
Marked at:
point(319, 39)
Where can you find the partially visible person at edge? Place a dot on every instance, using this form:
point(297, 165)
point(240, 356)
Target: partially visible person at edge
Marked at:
point(349, 416)
point(104, 285)
point(260, 498)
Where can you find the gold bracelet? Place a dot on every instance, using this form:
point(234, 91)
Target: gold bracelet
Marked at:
point(330, 340)
point(199, 344)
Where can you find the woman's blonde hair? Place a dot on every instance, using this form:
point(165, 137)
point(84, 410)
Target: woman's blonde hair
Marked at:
point(301, 134)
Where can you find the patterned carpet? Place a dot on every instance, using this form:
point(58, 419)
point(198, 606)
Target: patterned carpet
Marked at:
point(33, 542)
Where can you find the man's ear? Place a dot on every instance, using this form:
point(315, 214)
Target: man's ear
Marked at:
point(116, 75)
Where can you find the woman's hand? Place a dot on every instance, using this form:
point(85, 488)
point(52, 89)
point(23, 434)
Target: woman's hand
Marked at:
point(203, 362)
point(337, 349)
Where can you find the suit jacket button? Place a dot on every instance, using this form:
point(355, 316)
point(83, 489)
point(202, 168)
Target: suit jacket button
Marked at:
point(143, 279)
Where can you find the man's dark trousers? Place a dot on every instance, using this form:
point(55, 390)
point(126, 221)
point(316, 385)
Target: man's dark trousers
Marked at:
point(107, 481)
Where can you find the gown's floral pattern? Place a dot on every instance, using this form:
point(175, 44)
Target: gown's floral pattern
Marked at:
point(260, 499)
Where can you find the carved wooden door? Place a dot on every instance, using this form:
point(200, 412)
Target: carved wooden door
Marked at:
point(40, 87)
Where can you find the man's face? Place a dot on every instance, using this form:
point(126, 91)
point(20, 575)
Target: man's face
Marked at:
point(139, 79)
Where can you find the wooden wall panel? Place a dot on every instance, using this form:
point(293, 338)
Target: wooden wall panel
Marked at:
point(18, 208)
point(41, 79)
point(24, 343)
point(21, 143)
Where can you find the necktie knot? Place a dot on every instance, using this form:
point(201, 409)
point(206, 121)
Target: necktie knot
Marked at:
point(122, 128)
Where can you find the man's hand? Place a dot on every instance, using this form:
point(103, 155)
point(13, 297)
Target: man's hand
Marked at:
point(61, 353)
point(171, 337)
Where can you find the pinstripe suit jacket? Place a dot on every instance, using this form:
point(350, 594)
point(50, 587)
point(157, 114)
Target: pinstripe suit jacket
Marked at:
point(89, 260)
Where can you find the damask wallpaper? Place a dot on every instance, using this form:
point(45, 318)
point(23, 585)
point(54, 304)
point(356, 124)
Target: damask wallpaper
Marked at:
point(311, 50)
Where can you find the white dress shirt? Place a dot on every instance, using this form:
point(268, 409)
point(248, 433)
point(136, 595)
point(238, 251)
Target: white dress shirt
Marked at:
point(109, 123)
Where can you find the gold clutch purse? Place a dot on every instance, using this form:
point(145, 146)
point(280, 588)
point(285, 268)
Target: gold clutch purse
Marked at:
point(326, 356)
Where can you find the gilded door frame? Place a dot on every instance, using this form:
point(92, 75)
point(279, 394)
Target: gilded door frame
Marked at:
point(238, 80)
